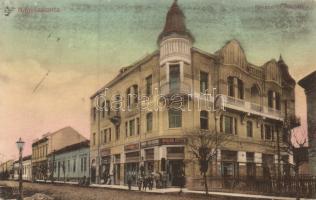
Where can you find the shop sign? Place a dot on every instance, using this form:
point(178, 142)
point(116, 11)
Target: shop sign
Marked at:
point(150, 143)
point(131, 147)
point(105, 152)
point(172, 141)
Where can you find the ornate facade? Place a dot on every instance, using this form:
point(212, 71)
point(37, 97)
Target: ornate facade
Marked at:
point(258, 102)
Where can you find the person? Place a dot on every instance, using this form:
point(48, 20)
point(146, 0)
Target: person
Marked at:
point(145, 183)
point(129, 182)
point(150, 182)
point(139, 183)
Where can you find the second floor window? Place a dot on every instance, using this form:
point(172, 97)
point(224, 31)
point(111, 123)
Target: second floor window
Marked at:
point(149, 83)
point(149, 121)
point(204, 119)
point(175, 118)
point(249, 129)
point(228, 124)
point(268, 130)
point(203, 82)
point(132, 127)
point(235, 87)
point(174, 77)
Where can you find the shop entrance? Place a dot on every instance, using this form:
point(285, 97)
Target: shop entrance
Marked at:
point(131, 171)
point(175, 172)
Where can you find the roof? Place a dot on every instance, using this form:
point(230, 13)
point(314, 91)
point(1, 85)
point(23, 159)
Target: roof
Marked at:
point(125, 71)
point(175, 23)
point(307, 81)
point(73, 147)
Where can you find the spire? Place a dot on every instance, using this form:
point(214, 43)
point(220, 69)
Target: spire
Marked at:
point(175, 23)
point(280, 58)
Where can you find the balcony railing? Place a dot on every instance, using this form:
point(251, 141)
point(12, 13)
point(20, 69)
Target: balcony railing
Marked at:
point(249, 107)
point(169, 89)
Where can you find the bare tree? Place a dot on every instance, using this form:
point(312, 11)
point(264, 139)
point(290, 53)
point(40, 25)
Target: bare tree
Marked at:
point(204, 145)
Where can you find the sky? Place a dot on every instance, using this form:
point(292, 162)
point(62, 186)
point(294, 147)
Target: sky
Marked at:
point(81, 46)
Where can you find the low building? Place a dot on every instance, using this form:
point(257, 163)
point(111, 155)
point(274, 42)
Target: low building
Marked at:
point(71, 163)
point(26, 170)
point(309, 85)
point(46, 145)
point(6, 170)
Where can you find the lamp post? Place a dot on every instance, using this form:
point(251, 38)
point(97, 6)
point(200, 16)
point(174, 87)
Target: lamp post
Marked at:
point(20, 145)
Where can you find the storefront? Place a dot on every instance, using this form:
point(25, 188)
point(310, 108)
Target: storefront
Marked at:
point(175, 165)
point(149, 161)
point(105, 166)
point(132, 159)
point(117, 169)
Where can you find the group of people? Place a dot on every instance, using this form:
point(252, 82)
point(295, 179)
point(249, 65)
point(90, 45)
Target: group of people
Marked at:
point(145, 181)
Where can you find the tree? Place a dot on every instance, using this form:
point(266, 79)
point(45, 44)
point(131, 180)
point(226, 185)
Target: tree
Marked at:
point(204, 145)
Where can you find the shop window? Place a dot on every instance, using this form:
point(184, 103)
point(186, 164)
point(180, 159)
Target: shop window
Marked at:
point(149, 121)
point(175, 118)
point(149, 83)
point(203, 82)
point(249, 129)
point(204, 119)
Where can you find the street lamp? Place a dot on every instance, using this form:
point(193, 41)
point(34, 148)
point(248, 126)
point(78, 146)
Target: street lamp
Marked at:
point(20, 145)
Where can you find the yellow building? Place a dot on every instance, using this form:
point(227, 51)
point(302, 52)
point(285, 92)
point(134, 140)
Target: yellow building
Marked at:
point(132, 128)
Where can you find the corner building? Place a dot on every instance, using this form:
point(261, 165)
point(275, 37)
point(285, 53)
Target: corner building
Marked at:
point(258, 102)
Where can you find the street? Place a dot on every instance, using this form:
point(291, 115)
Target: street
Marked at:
point(71, 192)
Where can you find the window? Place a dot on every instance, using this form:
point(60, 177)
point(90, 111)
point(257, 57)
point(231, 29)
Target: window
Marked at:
point(110, 135)
point(270, 99)
point(268, 132)
point(174, 77)
point(251, 166)
point(149, 83)
point(277, 101)
point(74, 166)
point(103, 109)
point(85, 164)
point(175, 118)
point(68, 163)
point(230, 86)
point(128, 97)
point(108, 107)
point(126, 128)
point(93, 138)
point(240, 89)
point(228, 123)
point(117, 132)
point(203, 82)
point(81, 164)
point(132, 127)
point(233, 82)
point(94, 113)
point(105, 136)
point(138, 125)
point(249, 129)
point(204, 119)
point(149, 121)
point(135, 96)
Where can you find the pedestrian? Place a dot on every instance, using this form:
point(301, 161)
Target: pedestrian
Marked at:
point(145, 183)
point(139, 183)
point(129, 182)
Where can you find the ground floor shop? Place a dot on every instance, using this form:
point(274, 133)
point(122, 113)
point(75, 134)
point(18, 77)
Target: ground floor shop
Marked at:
point(168, 160)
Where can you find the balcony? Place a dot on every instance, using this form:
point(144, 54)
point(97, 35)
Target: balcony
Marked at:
point(173, 89)
point(252, 108)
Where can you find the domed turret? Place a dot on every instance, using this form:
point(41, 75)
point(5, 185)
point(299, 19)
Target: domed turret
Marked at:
point(175, 40)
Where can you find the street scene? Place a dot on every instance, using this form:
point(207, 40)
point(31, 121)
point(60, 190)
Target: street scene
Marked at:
point(124, 100)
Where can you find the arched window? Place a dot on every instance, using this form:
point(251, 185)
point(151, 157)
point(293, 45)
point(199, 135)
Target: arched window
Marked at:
point(204, 119)
point(235, 87)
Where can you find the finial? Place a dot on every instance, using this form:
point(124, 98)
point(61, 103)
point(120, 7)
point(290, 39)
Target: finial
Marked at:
point(280, 58)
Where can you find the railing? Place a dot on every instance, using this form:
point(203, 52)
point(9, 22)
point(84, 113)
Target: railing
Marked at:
point(246, 106)
point(170, 88)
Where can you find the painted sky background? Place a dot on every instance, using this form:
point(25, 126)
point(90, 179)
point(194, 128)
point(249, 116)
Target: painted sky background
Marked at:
point(85, 44)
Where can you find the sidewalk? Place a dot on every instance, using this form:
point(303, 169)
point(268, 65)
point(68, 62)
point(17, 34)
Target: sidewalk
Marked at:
point(186, 191)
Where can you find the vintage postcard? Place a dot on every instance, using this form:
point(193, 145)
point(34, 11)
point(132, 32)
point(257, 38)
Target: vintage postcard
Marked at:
point(166, 99)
